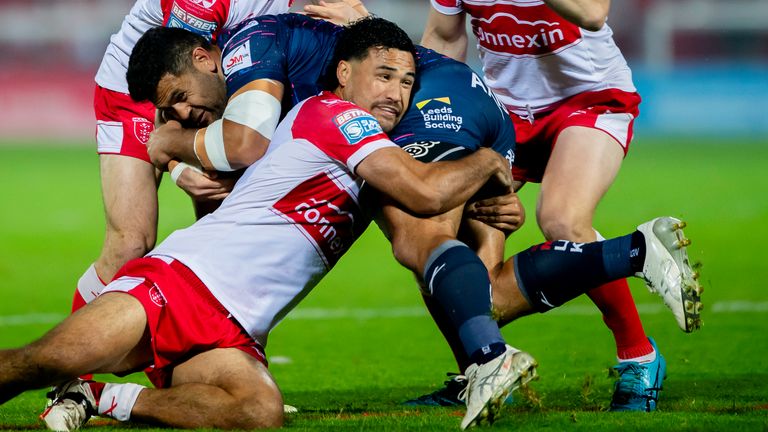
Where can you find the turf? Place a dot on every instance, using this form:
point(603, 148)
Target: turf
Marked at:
point(361, 343)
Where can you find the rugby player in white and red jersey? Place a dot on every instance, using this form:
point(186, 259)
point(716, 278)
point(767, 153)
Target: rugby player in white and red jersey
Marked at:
point(569, 91)
point(129, 181)
point(199, 307)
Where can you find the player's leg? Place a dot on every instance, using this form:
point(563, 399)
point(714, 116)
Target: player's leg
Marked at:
point(221, 388)
point(548, 275)
point(129, 187)
point(457, 289)
point(583, 165)
point(112, 345)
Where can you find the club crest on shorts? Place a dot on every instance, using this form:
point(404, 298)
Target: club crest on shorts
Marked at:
point(157, 296)
point(142, 128)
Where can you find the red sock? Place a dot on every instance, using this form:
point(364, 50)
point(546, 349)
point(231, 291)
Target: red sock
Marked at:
point(620, 315)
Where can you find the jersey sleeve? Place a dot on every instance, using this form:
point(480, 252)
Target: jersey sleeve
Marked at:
point(447, 7)
point(340, 129)
point(204, 17)
point(254, 51)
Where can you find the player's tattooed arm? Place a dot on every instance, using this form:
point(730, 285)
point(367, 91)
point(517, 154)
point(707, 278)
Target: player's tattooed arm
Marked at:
point(587, 14)
point(433, 188)
point(446, 34)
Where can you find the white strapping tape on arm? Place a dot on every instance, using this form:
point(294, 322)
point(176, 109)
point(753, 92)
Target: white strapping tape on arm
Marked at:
point(214, 146)
point(255, 109)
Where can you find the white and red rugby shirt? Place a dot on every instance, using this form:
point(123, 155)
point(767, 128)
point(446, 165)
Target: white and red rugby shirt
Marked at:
point(290, 217)
point(533, 58)
point(205, 17)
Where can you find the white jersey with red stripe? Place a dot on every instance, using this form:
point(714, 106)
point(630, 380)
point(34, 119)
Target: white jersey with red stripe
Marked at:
point(290, 217)
point(533, 58)
point(205, 17)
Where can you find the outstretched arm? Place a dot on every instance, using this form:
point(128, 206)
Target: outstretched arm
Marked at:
point(434, 187)
point(235, 141)
point(587, 14)
point(446, 34)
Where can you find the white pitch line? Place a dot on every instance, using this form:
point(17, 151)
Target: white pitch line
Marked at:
point(312, 314)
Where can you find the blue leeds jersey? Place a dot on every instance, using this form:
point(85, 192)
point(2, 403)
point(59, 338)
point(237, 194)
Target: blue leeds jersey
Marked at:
point(290, 48)
point(450, 103)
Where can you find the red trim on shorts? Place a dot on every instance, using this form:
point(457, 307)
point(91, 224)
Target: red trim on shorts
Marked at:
point(535, 141)
point(183, 317)
point(137, 120)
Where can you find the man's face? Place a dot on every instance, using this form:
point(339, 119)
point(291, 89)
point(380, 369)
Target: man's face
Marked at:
point(195, 98)
point(381, 84)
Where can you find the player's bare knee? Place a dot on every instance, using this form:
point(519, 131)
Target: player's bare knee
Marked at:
point(566, 227)
point(259, 414)
point(127, 245)
point(405, 253)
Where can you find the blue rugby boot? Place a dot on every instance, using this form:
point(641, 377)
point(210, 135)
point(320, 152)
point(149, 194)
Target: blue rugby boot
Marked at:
point(639, 384)
point(445, 396)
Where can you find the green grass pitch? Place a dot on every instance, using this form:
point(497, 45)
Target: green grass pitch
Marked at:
point(361, 342)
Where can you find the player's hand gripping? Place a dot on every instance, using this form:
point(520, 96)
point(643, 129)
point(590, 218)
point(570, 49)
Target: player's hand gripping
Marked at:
point(202, 186)
point(340, 12)
point(504, 212)
point(170, 141)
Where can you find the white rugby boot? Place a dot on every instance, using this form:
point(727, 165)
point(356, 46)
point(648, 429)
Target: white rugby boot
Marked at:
point(489, 384)
point(70, 406)
point(668, 272)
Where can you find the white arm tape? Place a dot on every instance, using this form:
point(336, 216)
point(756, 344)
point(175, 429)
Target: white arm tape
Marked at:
point(255, 109)
point(177, 170)
point(214, 146)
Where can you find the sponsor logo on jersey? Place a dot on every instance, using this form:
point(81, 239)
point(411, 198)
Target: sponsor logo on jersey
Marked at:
point(325, 213)
point(356, 125)
point(237, 59)
point(420, 149)
point(181, 18)
point(531, 31)
point(142, 128)
point(438, 114)
point(157, 296)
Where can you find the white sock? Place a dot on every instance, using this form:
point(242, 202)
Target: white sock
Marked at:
point(90, 285)
point(599, 236)
point(642, 359)
point(117, 400)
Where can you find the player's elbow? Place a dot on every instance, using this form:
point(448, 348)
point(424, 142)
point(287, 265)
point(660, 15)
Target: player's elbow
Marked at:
point(593, 18)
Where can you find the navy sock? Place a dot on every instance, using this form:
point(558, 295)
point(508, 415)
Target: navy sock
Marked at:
point(553, 273)
point(458, 281)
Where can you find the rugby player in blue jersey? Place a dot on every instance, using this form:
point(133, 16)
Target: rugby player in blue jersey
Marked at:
point(274, 62)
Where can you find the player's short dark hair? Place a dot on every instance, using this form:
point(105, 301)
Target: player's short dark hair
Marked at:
point(362, 35)
point(160, 51)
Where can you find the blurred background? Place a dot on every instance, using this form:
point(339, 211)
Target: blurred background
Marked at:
point(700, 65)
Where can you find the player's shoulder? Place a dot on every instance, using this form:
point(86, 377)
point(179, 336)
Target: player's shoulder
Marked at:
point(332, 105)
point(327, 115)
